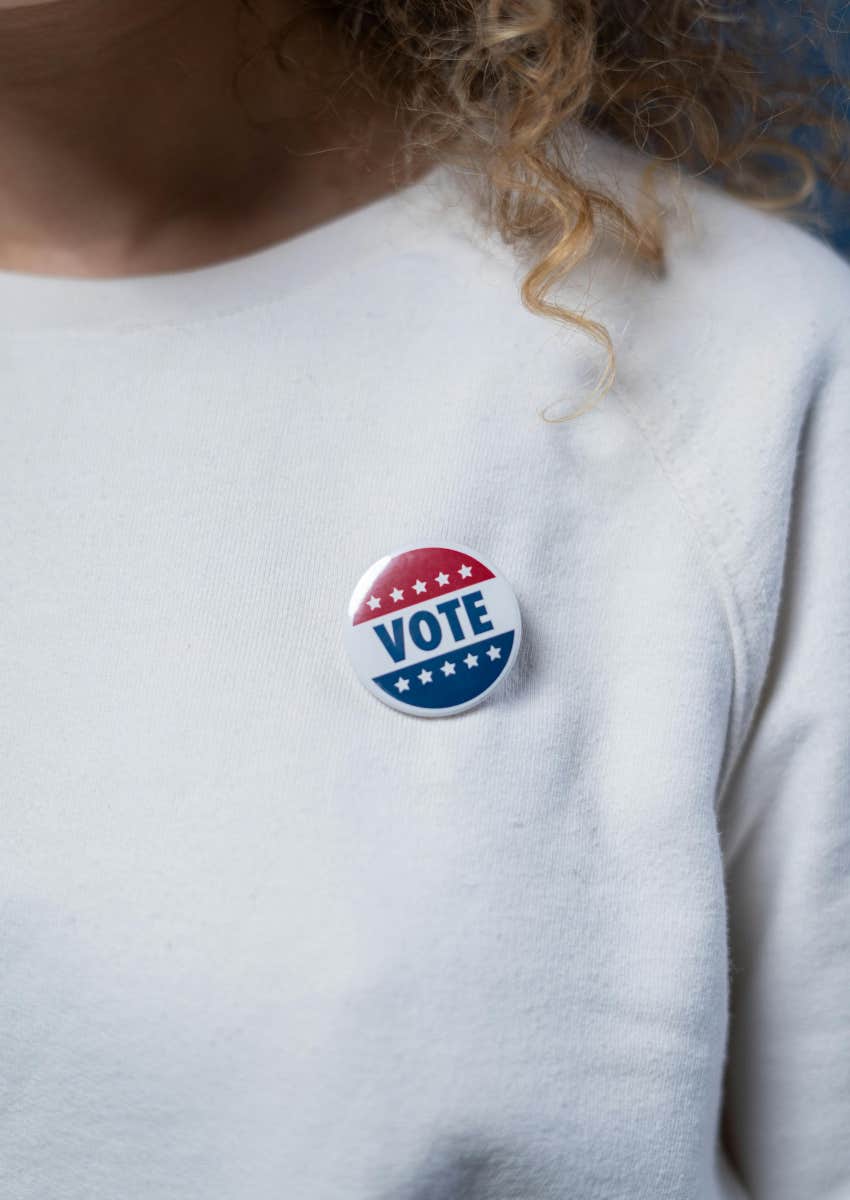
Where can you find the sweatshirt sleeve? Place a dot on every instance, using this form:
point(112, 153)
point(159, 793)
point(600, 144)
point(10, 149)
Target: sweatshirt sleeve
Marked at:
point(785, 830)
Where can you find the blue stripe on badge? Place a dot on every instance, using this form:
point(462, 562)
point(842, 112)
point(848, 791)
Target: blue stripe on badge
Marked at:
point(450, 679)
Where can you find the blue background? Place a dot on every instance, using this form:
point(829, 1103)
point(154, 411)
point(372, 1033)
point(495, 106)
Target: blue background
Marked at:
point(833, 59)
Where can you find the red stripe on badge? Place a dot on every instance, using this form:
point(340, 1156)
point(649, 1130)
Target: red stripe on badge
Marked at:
point(416, 576)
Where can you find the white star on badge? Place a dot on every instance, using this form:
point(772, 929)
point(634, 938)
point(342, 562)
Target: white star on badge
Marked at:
point(448, 669)
point(396, 594)
point(425, 676)
point(471, 660)
point(465, 571)
point(419, 587)
point(442, 579)
point(493, 653)
point(373, 602)
point(402, 684)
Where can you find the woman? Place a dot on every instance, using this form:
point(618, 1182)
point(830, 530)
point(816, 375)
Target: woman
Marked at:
point(265, 935)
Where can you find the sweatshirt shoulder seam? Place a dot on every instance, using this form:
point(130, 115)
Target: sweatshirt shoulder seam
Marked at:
point(723, 576)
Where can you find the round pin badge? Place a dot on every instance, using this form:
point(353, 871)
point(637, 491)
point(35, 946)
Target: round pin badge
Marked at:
point(432, 630)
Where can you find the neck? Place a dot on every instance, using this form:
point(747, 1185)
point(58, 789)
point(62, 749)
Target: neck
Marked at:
point(138, 138)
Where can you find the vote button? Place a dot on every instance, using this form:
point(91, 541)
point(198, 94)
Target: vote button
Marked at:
point(432, 630)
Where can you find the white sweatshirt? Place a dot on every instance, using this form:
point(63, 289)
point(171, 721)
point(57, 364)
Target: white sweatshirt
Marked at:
point(265, 938)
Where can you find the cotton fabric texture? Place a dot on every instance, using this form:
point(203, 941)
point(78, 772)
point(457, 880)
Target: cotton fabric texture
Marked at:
point(265, 937)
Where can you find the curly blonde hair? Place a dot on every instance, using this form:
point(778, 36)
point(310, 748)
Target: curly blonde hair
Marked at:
point(741, 91)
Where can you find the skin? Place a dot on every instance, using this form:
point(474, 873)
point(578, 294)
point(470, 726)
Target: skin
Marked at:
point(137, 138)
